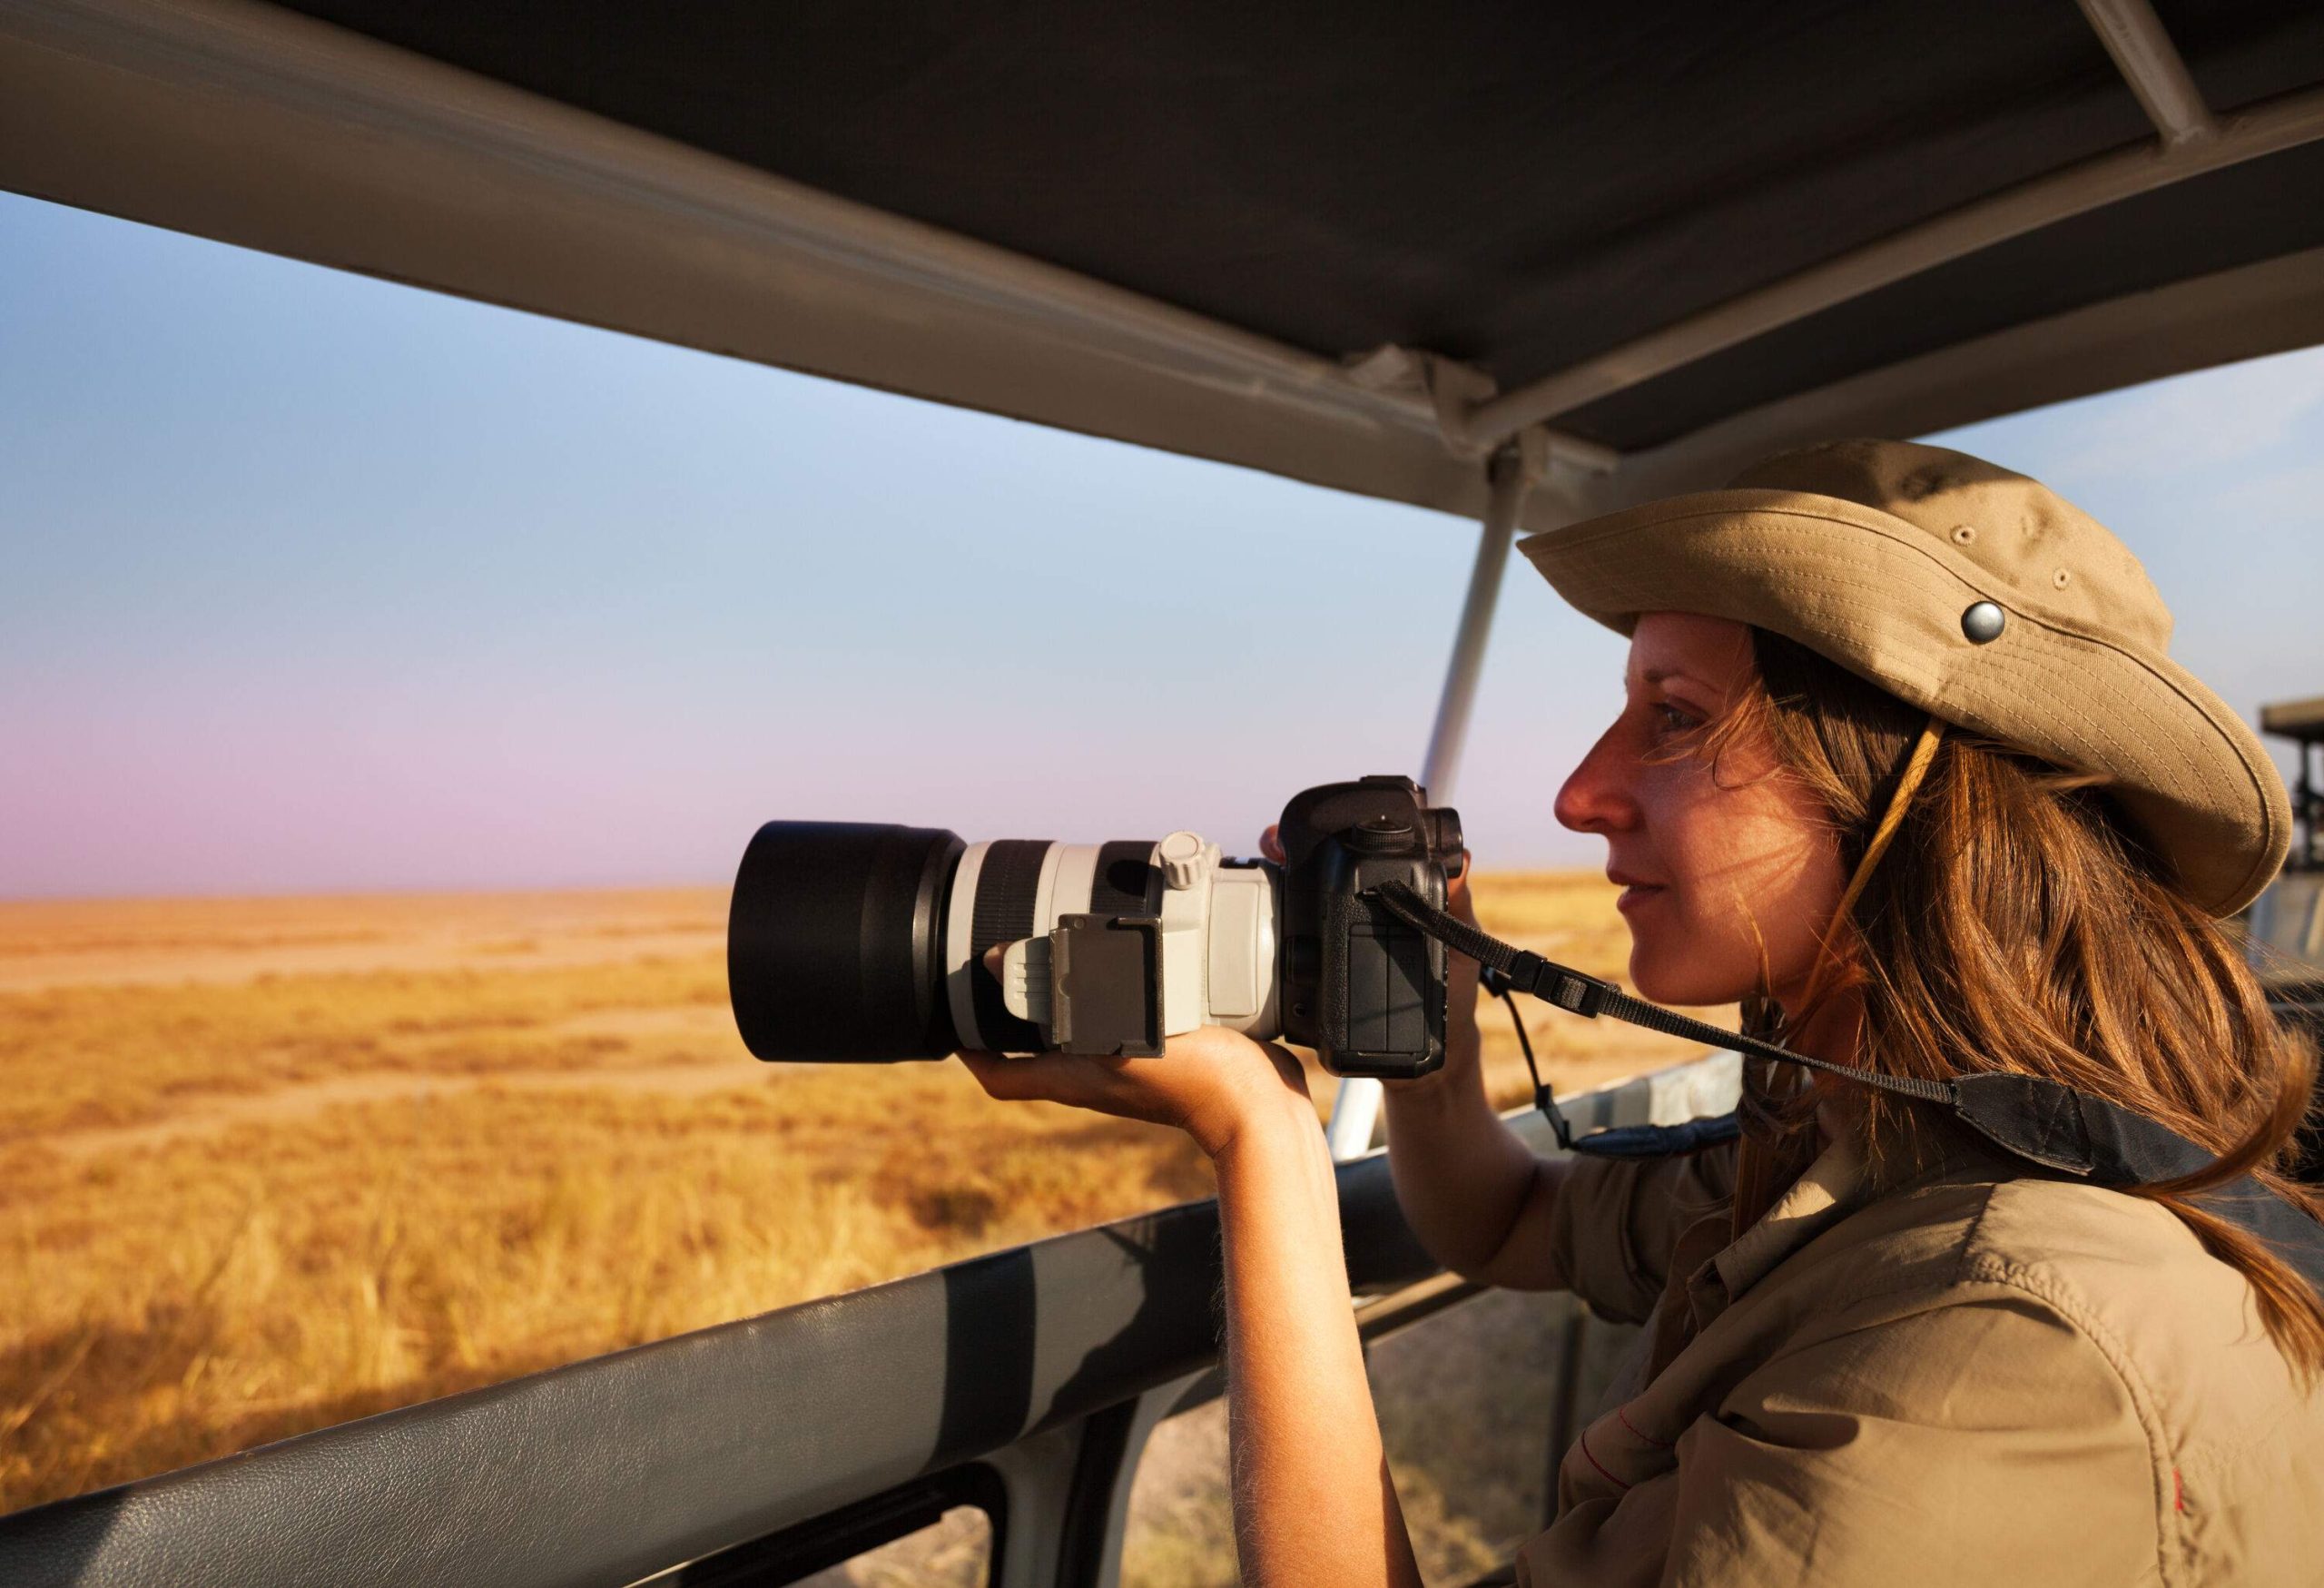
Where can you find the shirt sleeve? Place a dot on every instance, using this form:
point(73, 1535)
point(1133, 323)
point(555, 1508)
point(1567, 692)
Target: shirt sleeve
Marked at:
point(1986, 1441)
point(1617, 1221)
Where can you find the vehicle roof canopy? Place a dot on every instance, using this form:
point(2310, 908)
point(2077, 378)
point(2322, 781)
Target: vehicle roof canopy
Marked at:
point(1359, 247)
point(1363, 246)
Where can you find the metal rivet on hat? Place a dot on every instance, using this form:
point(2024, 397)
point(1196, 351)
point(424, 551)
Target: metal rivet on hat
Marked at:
point(1963, 533)
point(2060, 578)
point(1983, 623)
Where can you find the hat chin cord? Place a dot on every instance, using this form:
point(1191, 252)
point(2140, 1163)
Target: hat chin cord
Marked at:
point(1777, 1143)
point(1908, 783)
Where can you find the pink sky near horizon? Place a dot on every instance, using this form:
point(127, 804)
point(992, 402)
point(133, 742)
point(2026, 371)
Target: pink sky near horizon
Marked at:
point(315, 583)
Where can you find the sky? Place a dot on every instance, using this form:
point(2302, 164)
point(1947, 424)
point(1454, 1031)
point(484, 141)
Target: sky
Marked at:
point(314, 583)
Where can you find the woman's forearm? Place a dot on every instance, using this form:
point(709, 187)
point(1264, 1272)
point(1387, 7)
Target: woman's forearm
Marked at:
point(1312, 1500)
point(1467, 1184)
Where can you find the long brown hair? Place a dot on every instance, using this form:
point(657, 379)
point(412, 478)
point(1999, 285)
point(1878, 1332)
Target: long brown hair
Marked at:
point(2017, 923)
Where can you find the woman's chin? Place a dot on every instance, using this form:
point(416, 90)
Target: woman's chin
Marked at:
point(1662, 976)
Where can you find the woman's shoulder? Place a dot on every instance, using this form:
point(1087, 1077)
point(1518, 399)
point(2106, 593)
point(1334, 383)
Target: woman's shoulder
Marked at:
point(2125, 1297)
point(2180, 1325)
point(2123, 1271)
point(2101, 1255)
point(2090, 1327)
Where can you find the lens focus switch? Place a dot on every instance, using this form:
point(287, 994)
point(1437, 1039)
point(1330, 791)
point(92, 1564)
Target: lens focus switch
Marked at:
point(1180, 857)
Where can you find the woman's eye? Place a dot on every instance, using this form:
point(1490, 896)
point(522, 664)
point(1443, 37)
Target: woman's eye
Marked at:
point(1675, 719)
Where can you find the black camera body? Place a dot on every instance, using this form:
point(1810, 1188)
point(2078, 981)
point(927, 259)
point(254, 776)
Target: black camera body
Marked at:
point(1363, 988)
point(854, 942)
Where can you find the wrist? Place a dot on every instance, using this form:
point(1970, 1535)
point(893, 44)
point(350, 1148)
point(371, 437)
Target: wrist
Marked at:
point(1424, 1092)
point(1264, 1126)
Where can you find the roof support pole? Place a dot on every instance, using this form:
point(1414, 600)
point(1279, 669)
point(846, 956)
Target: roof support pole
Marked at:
point(1510, 478)
point(1510, 474)
point(2152, 65)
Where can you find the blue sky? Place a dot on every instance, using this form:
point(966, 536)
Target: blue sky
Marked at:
point(317, 583)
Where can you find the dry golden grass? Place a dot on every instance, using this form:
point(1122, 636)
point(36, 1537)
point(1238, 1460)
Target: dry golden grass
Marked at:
point(97, 1056)
point(268, 1165)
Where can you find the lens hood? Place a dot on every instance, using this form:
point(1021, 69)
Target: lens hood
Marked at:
point(835, 941)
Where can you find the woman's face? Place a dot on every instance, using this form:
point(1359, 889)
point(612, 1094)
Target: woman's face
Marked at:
point(1729, 872)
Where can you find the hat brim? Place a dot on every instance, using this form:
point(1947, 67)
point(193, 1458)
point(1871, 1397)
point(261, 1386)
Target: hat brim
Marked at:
point(1884, 599)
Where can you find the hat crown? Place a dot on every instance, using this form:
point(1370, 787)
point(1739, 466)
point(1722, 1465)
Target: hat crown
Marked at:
point(2039, 551)
point(1874, 555)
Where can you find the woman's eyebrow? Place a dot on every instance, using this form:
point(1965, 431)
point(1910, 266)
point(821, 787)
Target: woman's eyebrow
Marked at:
point(1656, 675)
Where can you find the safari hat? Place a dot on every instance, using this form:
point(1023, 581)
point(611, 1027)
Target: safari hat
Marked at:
point(1978, 595)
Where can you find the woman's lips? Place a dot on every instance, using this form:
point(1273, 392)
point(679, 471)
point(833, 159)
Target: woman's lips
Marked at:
point(1634, 891)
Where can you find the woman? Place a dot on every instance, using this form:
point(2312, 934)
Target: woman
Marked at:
point(1902, 765)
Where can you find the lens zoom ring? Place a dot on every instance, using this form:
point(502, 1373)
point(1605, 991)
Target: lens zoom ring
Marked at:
point(1007, 887)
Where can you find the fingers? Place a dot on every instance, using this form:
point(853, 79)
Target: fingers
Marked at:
point(994, 1072)
point(1031, 1077)
point(1061, 1077)
point(1205, 1083)
point(1000, 1076)
point(1271, 844)
point(1457, 899)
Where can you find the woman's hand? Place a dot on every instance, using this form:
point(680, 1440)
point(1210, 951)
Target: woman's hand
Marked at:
point(1212, 1083)
point(1461, 1043)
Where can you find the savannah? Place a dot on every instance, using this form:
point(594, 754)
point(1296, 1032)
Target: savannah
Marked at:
point(269, 1164)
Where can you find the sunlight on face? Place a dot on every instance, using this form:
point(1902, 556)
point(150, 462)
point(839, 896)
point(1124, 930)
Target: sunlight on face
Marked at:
point(1731, 872)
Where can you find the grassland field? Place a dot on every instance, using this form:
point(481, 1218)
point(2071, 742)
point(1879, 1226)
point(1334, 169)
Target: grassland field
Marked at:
point(266, 1165)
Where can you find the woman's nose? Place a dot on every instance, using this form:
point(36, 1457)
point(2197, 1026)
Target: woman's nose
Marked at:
point(1595, 797)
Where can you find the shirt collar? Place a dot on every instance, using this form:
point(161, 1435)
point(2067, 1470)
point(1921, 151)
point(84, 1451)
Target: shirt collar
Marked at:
point(1834, 1186)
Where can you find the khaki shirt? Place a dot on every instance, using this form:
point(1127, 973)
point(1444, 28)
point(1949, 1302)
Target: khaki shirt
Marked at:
point(1972, 1377)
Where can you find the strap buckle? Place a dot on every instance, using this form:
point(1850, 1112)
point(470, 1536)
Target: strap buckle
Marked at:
point(1569, 990)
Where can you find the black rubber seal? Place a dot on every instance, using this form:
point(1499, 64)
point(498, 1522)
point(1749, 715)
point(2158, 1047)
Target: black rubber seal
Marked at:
point(1008, 886)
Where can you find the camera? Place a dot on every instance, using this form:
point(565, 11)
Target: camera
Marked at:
point(859, 941)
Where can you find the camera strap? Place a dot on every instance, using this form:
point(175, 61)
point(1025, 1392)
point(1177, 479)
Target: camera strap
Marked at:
point(2041, 1121)
point(1580, 993)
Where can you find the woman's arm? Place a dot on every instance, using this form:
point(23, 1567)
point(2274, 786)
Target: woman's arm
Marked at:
point(1312, 1500)
point(1480, 1199)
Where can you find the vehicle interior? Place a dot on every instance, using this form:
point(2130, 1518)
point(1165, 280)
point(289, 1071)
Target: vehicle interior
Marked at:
point(1516, 266)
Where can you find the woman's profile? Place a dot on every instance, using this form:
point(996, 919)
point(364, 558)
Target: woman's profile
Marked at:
point(1903, 766)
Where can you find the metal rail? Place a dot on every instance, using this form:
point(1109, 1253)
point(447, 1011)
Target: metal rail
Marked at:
point(2269, 128)
point(2241, 313)
point(258, 54)
point(291, 136)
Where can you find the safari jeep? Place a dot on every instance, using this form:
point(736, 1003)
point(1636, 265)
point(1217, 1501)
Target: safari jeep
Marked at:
point(1515, 264)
